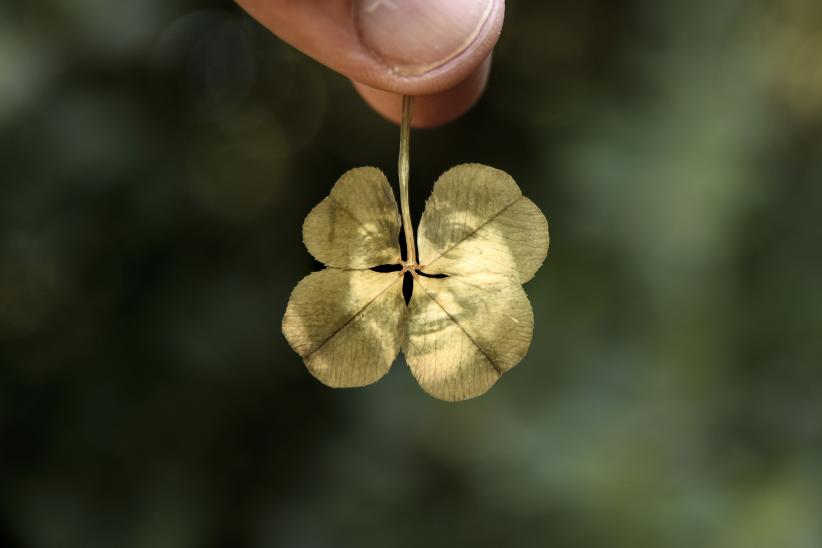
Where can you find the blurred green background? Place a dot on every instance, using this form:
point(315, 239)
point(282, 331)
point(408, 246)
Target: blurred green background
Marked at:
point(158, 157)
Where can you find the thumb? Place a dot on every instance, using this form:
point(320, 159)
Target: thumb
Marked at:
point(436, 49)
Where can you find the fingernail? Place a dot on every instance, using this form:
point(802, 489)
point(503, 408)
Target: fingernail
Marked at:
point(415, 36)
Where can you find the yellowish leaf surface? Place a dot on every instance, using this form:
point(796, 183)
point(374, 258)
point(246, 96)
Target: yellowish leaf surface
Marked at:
point(357, 225)
point(460, 332)
point(464, 332)
point(348, 325)
point(477, 220)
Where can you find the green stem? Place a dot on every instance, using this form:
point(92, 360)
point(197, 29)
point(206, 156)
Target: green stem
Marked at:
point(405, 134)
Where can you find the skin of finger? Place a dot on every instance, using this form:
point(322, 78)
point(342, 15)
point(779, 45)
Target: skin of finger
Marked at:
point(430, 110)
point(325, 31)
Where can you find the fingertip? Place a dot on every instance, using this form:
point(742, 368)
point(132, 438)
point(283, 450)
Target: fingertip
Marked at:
point(391, 48)
point(432, 109)
point(428, 47)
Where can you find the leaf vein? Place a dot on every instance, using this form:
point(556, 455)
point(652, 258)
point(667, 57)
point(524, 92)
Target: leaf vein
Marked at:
point(496, 368)
point(497, 214)
point(349, 320)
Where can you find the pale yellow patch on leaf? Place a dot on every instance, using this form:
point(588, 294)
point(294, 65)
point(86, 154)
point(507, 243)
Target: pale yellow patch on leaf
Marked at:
point(357, 225)
point(477, 220)
point(348, 325)
point(464, 332)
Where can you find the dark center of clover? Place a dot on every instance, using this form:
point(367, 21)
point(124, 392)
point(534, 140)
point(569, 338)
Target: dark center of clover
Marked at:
point(409, 272)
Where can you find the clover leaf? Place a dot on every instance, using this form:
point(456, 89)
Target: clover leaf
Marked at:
point(468, 320)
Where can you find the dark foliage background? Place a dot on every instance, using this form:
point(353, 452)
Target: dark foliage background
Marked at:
point(158, 157)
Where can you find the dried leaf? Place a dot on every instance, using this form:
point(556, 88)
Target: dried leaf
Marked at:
point(348, 325)
point(477, 220)
point(464, 332)
point(357, 225)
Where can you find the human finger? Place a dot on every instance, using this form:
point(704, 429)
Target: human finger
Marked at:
point(432, 48)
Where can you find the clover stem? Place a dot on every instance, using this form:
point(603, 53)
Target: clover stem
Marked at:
point(405, 137)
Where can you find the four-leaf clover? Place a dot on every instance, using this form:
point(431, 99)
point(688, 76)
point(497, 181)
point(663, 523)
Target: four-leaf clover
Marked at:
point(468, 320)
